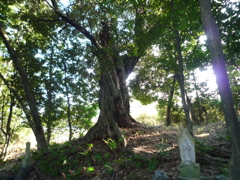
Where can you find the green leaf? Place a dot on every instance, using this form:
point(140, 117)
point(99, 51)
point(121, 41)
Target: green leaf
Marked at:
point(90, 169)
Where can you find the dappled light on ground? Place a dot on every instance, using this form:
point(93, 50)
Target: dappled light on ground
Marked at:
point(202, 135)
point(148, 149)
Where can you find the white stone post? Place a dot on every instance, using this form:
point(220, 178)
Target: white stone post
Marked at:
point(27, 161)
point(189, 169)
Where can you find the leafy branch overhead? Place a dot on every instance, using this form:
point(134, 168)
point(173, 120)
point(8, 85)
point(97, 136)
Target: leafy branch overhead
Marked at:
point(143, 37)
point(74, 24)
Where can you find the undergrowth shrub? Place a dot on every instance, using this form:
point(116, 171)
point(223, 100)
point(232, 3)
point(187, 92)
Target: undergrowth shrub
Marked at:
point(149, 120)
point(64, 160)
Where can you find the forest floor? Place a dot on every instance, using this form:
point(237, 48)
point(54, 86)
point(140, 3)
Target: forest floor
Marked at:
point(148, 149)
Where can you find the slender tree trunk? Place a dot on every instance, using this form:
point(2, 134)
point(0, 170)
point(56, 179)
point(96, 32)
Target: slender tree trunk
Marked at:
point(69, 118)
point(68, 104)
point(37, 128)
point(48, 107)
point(180, 76)
point(49, 133)
point(9, 131)
point(189, 121)
point(19, 99)
point(48, 111)
point(198, 101)
point(170, 102)
point(219, 67)
point(192, 110)
point(206, 114)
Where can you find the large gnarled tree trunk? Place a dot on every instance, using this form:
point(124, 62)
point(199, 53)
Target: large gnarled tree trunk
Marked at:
point(112, 109)
point(114, 69)
point(113, 98)
point(219, 67)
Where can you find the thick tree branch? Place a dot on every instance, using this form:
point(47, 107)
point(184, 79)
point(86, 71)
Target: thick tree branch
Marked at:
point(131, 61)
point(74, 24)
point(11, 51)
point(142, 39)
point(48, 20)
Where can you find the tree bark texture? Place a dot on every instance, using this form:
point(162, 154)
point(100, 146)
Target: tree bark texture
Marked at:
point(111, 111)
point(37, 124)
point(113, 100)
point(113, 95)
point(219, 67)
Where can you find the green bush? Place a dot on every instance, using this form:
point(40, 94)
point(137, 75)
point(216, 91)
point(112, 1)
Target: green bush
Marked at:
point(150, 120)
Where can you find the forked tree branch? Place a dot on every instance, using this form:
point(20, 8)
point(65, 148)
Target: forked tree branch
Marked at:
point(77, 26)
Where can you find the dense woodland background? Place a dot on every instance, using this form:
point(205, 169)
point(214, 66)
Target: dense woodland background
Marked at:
point(64, 63)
